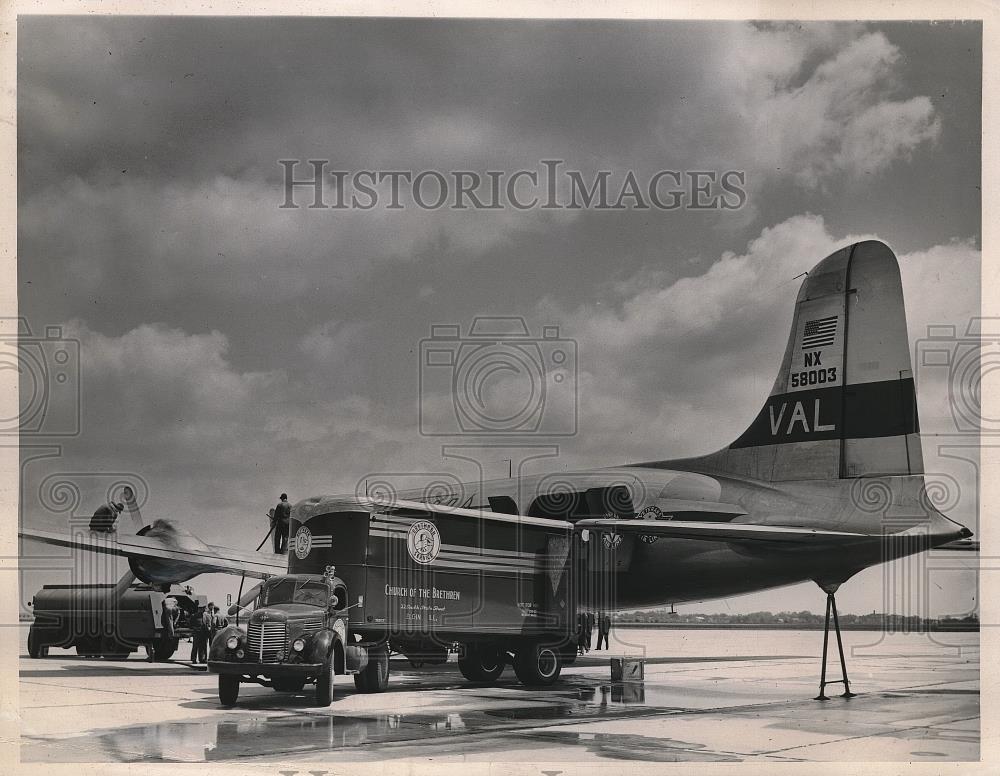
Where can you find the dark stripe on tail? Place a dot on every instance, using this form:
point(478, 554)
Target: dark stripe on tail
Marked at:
point(879, 409)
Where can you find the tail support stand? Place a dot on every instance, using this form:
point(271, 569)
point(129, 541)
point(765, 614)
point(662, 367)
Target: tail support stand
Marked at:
point(831, 606)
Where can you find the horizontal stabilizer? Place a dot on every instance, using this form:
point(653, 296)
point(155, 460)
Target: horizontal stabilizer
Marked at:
point(219, 559)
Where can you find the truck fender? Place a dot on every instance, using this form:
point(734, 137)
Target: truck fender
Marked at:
point(322, 643)
point(356, 658)
point(217, 650)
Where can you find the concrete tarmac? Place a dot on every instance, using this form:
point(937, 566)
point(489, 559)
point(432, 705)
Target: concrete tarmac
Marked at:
point(918, 700)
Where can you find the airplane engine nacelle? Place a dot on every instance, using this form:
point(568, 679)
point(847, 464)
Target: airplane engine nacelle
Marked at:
point(164, 572)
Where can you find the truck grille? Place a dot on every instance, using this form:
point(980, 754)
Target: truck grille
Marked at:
point(265, 640)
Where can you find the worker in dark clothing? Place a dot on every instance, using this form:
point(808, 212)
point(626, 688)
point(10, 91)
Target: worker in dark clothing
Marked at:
point(169, 615)
point(590, 629)
point(105, 516)
point(279, 523)
point(581, 633)
point(603, 629)
point(199, 636)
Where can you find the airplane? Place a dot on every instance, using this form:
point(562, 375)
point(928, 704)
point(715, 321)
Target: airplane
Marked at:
point(827, 480)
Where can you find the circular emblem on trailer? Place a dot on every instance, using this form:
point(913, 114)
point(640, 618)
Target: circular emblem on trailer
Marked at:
point(423, 541)
point(303, 542)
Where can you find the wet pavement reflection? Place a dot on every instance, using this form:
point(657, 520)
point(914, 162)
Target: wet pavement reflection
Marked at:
point(317, 730)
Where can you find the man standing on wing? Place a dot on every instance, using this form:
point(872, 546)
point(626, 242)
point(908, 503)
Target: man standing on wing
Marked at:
point(280, 519)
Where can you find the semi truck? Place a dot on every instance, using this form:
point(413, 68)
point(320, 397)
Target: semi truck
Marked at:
point(362, 582)
point(102, 621)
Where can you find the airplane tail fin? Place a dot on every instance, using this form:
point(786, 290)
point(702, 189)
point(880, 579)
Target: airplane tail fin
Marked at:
point(843, 404)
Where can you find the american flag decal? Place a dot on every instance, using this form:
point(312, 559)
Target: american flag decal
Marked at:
point(819, 333)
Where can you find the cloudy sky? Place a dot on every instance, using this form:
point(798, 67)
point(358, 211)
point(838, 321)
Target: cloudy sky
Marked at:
point(232, 349)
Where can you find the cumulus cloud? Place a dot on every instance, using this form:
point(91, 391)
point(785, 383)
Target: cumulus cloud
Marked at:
point(790, 117)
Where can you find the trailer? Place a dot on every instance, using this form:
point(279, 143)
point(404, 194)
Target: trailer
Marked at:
point(497, 588)
point(100, 622)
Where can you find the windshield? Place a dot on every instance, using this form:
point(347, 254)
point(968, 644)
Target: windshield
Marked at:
point(295, 591)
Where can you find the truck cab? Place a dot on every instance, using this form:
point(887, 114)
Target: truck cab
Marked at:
point(297, 634)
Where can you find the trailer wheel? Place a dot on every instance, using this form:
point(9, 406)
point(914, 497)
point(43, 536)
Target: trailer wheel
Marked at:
point(481, 663)
point(537, 665)
point(229, 689)
point(324, 683)
point(375, 676)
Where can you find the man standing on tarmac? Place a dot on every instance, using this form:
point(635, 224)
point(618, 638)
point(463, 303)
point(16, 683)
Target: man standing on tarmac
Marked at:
point(199, 636)
point(603, 629)
point(279, 521)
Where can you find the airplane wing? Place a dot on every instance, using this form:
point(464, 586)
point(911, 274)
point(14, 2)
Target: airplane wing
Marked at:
point(391, 504)
point(720, 532)
point(211, 559)
point(709, 531)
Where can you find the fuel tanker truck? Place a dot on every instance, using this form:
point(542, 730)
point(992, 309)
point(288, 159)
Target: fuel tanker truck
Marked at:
point(109, 621)
point(362, 581)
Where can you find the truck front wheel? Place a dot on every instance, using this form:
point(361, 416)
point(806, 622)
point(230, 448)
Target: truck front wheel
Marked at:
point(537, 665)
point(375, 676)
point(229, 689)
point(324, 683)
point(481, 663)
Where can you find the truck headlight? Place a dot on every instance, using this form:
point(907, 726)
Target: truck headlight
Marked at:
point(232, 642)
point(298, 645)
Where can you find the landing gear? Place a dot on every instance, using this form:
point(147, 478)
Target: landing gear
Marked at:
point(831, 606)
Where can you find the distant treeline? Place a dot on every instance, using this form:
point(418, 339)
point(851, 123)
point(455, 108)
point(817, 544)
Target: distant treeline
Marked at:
point(803, 620)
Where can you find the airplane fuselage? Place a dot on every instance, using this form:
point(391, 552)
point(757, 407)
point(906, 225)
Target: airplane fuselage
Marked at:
point(648, 571)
